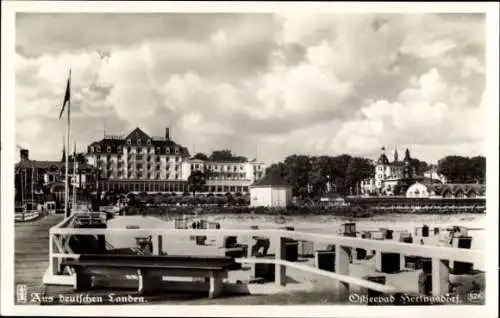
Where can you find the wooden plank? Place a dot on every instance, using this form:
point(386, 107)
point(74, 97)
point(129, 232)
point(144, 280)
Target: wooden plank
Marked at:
point(342, 267)
point(386, 246)
point(174, 272)
point(345, 278)
point(440, 277)
point(216, 285)
point(165, 267)
point(280, 254)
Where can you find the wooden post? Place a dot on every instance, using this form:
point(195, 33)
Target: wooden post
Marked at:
point(378, 261)
point(440, 277)
point(158, 245)
point(216, 285)
point(82, 279)
point(402, 262)
point(280, 254)
point(140, 278)
point(342, 267)
point(53, 269)
point(249, 255)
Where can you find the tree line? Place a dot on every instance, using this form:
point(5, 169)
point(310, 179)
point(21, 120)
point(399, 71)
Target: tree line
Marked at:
point(224, 155)
point(314, 175)
point(458, 169)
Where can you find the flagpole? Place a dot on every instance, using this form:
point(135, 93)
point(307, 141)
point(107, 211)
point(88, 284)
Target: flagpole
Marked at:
point(66, 194)
point(74, 175)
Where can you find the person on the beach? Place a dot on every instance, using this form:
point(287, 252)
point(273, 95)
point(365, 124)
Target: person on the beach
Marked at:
point(262, 242)
point(149, 246)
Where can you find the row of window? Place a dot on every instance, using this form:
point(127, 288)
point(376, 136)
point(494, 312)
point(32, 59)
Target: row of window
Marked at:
point(141, 175)
point(137, 158)
point(131, 149)
point(141, 167)
point(197, 166)
point(145, 186)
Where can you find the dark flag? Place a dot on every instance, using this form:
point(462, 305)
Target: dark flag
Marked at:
point(67, 95)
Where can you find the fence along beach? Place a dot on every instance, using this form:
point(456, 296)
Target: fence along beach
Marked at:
point(302, 275)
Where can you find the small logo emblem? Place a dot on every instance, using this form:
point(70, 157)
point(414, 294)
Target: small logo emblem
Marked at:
point(21, 293)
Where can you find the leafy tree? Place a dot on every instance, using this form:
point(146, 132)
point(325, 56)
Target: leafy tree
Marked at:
point(196, 181)
point(477, 169)
point(339, 168)
point(226, 155)
point(319, 174)
point(278, 168)
point(401, 186)
point(357, 170)
point(458, 169)
point(200, 156)
point(298, 168)
point(419, 166)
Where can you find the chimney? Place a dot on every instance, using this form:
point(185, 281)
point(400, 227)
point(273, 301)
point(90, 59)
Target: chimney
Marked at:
point(24, 154)
point(167, 133)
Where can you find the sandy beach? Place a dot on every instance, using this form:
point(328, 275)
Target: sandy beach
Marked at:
point(316, 224)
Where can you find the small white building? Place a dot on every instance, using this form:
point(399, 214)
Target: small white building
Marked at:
point(418, 190)
point(271, 191)
point(434, 175)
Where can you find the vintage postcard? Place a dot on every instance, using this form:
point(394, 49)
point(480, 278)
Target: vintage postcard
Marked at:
point(262, 159)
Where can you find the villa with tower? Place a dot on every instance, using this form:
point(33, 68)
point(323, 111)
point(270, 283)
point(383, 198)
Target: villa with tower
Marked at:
point(388, 174)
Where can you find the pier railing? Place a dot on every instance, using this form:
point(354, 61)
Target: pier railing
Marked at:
point(440, 255)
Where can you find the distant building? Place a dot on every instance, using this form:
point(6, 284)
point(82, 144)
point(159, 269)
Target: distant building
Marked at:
point(141, 163)
point(388, 174)
point(449, 190)
point(35, 178)
point(271, 191)
point(433, 174)
point(332, 199)
point(223, 177)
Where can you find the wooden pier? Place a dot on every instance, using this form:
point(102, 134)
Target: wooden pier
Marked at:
point(345, 248)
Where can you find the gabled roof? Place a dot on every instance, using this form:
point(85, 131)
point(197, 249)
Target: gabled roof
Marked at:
point(271, 179)
point(138, 134)
point(383, 159)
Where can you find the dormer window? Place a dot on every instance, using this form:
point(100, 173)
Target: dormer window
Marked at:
point(167, 150)
point(139, 141)
point(98, 148)
point(129, 142)
point(109, 149)
point(176, 151)
point(149, 141)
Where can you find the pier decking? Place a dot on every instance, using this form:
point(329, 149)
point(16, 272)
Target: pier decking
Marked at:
point(301, 287)
point(31, 250)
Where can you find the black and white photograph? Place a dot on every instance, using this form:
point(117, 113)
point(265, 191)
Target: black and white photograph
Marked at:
point(247, 155)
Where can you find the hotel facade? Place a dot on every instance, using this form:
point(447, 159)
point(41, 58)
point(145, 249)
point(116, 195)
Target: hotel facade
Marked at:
point(388, 174)
point(138, 162)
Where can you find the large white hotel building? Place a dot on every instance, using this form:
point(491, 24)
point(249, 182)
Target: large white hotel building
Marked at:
point(140, 163)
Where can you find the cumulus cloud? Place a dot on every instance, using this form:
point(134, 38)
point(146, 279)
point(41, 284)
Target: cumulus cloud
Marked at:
point(423, 115)
point(287, 83)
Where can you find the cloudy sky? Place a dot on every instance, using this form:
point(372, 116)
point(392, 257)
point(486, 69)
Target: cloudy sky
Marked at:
point(265, 84)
